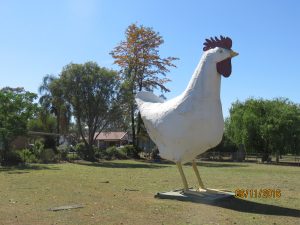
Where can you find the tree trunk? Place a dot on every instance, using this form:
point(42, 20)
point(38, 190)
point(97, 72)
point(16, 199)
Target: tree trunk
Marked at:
point(139, 120)
point(90, 147)
point(277, 157)
point(5, 150)
point(90, 153)
point(133, 125)
point(57, 128)
point(138, 129)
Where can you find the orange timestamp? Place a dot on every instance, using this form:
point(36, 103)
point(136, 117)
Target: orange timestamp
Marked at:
point(258, 193)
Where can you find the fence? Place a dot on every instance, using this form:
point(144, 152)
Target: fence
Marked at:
point(253, 157)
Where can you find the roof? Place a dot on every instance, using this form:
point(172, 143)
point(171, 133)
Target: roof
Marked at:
point(112, 136)
point(43, 133)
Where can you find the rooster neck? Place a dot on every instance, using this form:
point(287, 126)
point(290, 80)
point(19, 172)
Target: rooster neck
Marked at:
point(205, 83)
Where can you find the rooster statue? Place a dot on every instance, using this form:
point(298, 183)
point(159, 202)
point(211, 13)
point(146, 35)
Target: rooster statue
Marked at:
point(192, 122)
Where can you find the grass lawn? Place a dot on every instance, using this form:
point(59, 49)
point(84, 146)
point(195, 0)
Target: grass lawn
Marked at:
point(121, 192)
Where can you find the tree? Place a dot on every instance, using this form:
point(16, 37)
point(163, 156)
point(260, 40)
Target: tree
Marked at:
point(140, 63)
point(52, 101)
point(266, 126)
point(281, 126)
point(91, 92)
point(16, 108)
point(44, 121)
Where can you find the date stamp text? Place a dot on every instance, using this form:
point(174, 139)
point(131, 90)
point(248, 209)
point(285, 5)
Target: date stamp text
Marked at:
point(258, 193)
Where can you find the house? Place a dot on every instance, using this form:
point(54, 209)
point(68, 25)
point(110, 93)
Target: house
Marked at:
point(107, 139)
point(25, 141)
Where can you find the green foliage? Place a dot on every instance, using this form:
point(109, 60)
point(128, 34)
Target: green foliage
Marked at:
point(44, 155)
point(16, 108)
point(63, 151)
point(226, 145)
point(80, 150)
point(265, 126)
point(27, 156)
point(37, 148)
point(53, 102)
point(100, 153)
point(73, 156)
point(43, 122)
point(142, 68)
point(115, 153)
point(92, 92)
point(12, 158)
point(48, 155)
point(128, 150)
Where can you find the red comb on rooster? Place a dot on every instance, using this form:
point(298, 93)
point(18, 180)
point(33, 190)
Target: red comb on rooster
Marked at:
point(223, 42)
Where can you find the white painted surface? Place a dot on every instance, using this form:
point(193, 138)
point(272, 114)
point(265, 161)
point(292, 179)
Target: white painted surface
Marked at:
point(192, 122)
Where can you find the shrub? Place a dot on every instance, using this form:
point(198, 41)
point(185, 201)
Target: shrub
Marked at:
point(115, 153)
point(49, 142)
point(37, 148)
point(100, 153)
point(12, 158)
point(27, 156)
point(128, 150)
point(63, 151)
point(73, 156)
point(47, 155)
point(80, 150)
point(110, 152)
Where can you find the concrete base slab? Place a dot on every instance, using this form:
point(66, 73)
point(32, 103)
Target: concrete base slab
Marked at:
point(193, 195)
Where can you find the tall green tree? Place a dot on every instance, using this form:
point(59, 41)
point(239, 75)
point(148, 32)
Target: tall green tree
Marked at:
point(266, 126)
point(141, 68)
point(92, 93)
point(43, 121)
point(16, 108)
point(52, 101)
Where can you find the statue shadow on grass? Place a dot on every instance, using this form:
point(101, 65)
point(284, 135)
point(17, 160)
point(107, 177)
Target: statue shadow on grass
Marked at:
point(202, 163)
point(246, 206)
point(219, 164)
point(120, 165)
point(152, 164)
point(242, 205)
point(25, 168)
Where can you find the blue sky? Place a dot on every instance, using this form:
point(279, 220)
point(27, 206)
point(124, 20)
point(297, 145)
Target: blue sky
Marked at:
point(40, 37)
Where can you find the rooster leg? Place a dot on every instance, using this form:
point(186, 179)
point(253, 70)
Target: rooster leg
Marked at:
point(185, 184)
point(198, 175)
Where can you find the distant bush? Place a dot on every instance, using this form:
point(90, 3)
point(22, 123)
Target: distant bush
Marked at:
point(100, 153)
point(128, 150)
point(115, 153)
point(12, 158)
point(47, 156)
point(27, 156)
point(80, 150)
point(37, 148)
point(63, 151)
point(73, 156)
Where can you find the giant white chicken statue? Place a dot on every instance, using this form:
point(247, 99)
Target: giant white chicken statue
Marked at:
point(192, 122)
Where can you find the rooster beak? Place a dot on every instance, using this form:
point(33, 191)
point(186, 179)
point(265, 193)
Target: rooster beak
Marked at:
point(233, 54)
